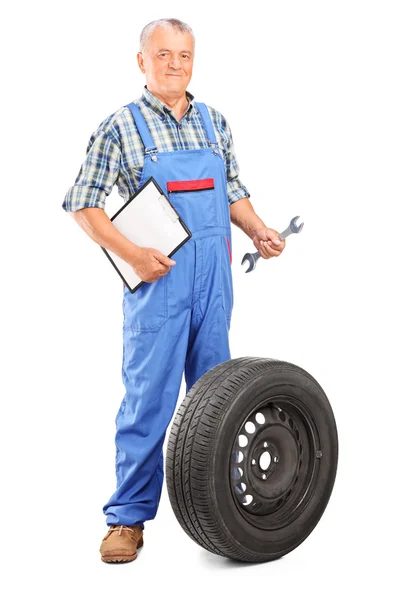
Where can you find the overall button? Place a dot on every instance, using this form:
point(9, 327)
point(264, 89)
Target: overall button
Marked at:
point(154, 158)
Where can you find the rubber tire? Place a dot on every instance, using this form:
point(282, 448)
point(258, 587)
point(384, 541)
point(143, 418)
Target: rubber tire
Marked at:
point(197, 459)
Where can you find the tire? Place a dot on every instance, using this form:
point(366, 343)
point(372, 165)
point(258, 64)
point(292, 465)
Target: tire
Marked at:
point(237, 506)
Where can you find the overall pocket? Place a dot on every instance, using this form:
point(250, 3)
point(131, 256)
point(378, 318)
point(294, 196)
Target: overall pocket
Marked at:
point(147, 308)
point(195, 202)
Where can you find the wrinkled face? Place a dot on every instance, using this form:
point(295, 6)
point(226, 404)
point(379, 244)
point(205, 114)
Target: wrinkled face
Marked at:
point(167, 61)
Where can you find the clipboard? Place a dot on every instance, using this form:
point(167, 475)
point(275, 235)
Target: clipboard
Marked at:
point(147, 219)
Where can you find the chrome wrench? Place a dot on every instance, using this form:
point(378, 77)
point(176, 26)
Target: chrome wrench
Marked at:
point(253, 257)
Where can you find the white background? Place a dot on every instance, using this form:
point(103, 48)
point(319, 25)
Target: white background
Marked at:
point(311, 92)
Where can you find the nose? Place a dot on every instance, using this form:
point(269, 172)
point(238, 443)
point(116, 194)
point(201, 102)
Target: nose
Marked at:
point(175, 63)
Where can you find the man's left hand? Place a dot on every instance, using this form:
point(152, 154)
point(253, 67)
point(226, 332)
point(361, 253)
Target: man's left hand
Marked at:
point(267, 242)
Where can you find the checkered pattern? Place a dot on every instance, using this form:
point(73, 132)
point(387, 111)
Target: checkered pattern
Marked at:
point(115, 153)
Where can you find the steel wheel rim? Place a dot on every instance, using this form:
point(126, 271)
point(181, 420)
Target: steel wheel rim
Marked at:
point(274, 462)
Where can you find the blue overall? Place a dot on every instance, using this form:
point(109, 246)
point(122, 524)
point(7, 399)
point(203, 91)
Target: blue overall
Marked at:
point(177, 324)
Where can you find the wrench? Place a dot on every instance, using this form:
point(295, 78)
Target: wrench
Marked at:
point(253, 257)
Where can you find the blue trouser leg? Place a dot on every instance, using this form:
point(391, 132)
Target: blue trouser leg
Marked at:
point(209, 336)
point(154, 364)
point(208, 344)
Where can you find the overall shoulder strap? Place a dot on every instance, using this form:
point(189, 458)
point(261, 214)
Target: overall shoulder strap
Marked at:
point(142, 126)
point(205, 115)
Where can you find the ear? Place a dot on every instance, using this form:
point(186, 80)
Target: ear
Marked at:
point(140, 60)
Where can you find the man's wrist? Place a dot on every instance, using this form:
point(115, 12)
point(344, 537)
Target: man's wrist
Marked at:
point(133, 252)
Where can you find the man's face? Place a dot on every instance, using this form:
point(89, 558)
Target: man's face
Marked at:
point(167, 61)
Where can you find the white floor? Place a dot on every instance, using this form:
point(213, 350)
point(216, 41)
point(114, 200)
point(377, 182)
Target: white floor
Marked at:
point(55, 536)
point(63, 561)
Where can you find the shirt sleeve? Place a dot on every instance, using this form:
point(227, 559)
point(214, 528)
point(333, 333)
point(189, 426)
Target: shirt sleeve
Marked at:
point(97, 175)
point(236, 189)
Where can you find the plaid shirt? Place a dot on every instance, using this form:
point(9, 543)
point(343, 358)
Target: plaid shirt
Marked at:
point(115, 153)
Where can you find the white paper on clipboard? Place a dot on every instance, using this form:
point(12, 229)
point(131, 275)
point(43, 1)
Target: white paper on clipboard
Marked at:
point(149, 220)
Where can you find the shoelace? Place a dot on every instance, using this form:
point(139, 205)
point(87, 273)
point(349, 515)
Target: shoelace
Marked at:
point(120, 528)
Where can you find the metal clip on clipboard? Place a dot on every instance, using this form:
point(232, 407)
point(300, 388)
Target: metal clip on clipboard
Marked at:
point(172, 214)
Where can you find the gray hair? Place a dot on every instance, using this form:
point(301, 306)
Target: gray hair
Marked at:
point(150, 27)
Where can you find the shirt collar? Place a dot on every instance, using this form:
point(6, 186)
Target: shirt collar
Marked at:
point(161, 109)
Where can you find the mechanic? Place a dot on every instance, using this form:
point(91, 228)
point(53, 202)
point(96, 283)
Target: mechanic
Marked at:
point(178, 321)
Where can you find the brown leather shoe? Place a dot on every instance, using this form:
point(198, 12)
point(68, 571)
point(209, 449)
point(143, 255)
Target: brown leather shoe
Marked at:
point(121, 542)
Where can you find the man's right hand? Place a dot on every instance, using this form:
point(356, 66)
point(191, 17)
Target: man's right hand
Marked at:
point(150, 264)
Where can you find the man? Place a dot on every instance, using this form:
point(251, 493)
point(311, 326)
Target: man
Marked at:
point(179, 319)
